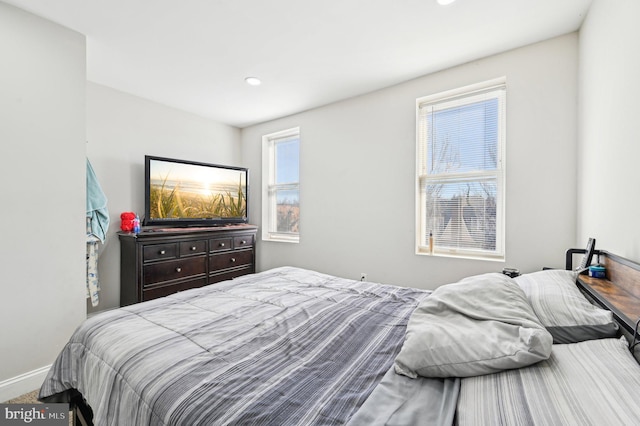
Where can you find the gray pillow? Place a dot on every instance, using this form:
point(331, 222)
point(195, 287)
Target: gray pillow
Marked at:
point(480, 325)
point(563, 309)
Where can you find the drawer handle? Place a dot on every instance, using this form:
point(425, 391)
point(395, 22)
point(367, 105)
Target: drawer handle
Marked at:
point(178, 269)
point(233, 259)
point(243, 242)
point(163, 252)
point(193, 248)
point(221, 244)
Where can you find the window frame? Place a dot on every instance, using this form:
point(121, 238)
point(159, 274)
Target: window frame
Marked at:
point(269, 187)
point(459, 97)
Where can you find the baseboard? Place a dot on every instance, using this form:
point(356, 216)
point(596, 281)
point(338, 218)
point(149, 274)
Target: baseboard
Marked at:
point(19, 385)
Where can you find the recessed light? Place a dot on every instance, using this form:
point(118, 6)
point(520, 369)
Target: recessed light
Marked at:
point(253, 81)
point(445, 2)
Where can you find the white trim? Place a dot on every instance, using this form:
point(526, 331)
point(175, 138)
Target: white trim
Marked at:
point(447, 99)
point(268, 202)
point(282, 237)
point(19, 385)
point(462, 91)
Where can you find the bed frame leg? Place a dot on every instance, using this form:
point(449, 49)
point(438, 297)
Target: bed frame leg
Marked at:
point(81, 413)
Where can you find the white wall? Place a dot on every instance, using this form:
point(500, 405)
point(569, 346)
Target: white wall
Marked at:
point(609, 179)
point(42, 219)
point(121, 129)
point(358, 163)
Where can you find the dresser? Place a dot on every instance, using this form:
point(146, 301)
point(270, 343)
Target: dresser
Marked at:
point(158, 262)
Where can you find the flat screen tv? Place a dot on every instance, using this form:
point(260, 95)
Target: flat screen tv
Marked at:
point(190, 193)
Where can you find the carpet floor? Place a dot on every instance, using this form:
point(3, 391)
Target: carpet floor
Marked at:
point(27, 398)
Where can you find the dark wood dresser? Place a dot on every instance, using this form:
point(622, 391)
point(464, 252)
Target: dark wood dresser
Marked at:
point(159, 262)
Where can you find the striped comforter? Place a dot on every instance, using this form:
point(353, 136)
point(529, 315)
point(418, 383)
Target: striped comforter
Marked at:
point(286, 346)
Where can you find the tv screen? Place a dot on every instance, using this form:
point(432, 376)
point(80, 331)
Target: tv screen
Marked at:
point(183, 193)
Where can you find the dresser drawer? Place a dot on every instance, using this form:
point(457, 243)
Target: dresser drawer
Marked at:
point(159, 252)
point(165, 290)
point(220, 244)
point(174, 270)
point(224, 276)
point(193, 248)
point(231, 259)
point(243, 241)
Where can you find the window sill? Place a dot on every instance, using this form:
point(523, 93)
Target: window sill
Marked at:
point(467, 256)
point(282, 239)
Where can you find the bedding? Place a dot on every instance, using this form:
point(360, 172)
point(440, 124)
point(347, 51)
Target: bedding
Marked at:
point(563, 309)
point(297, 347)
point(480, 325)
point(595, 382)
point(401, 401)
point(285, 346)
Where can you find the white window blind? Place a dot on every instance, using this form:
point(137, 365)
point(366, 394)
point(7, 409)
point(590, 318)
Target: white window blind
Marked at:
point(460, 172)
point(281, 186)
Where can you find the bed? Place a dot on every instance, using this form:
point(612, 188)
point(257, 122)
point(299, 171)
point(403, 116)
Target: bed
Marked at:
point(291, 346)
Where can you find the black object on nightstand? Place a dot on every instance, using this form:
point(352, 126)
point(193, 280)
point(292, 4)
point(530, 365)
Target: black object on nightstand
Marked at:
point(511, 272)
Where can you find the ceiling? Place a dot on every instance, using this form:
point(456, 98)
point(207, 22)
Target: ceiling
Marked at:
point(194, 54)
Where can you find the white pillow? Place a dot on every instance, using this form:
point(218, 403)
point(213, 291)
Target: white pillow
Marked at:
point(563, 309)
point(481, 325)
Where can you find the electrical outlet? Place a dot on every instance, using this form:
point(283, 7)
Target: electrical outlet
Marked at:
point(363, 276)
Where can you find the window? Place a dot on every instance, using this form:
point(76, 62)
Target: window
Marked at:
point(281, 186)
point(460, 172)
